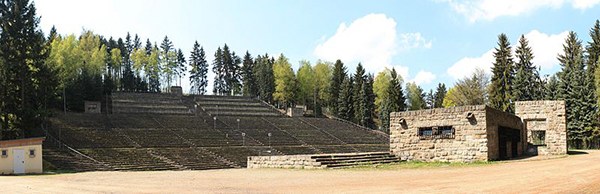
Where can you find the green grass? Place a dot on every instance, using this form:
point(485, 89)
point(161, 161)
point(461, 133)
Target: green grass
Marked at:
point(417, 165)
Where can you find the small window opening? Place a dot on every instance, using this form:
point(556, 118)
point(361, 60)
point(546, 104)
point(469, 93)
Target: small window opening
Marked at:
point(538, 138)
point(441, 132)
point(4, 153)
point(32, 153)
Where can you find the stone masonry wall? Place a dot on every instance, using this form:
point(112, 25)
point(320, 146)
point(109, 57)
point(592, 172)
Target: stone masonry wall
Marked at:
point(469, 143)
point(496, 118)
point(549, 116)
point(286, 161)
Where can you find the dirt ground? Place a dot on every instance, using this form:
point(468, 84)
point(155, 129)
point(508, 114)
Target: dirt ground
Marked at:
point(573, 174)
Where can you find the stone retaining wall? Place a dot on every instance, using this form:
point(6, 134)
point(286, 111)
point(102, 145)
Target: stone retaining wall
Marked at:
point(286, 161)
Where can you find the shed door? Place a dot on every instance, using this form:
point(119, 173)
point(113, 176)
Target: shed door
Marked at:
point(19, 161)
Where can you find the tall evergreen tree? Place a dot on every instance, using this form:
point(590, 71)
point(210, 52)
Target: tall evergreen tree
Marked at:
point(440, 93)
point(231, 68)
point(429, 100)
point(181, 66)
point(199, 69)
point(593, 51)
point(527, 83)
point(263, 71)
point(346, 99)
point(248, 79)
point(502, 76)
point(359, 79)
point(366, 99)
point(337, 77)
point(219, 83)
point(168, 61)
point(551, 88)
point(574, 89)
point(23, 52)
point(396, 94)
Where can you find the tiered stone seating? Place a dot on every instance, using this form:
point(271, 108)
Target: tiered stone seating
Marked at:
point(67, 160)
point(148, 103)
point(372, 147)
point(192, 158)
point(234, 106)
point(214, 138)
point(344, 131)
point(336, 148)
point(259, 129)
point(90, 138)
point(304, 132)
point(124, 121)
point(149, 138)
point(130, 159)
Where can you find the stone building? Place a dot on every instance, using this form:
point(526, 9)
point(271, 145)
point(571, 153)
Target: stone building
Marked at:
point(477, 133)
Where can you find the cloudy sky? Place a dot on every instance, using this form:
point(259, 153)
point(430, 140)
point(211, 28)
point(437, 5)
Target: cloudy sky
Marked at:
point(426, 41)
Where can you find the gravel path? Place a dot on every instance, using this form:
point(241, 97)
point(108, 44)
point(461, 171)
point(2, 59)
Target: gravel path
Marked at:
point(572, 174)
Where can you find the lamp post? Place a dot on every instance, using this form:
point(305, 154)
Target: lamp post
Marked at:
point(238, 122)
point(269, 134)
point(243, 139)
point(215, 122)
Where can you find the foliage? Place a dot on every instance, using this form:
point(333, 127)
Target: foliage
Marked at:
point(199, 69)
point(337, 77)
point(305, 81)
point(346, 99)
point(574, 88)
point(503, 74)
point(250, 87)
point(527, 82)
point(439, 95)
point(263, 71)
point(285, 83)
point(471, 90)
point(415, 96)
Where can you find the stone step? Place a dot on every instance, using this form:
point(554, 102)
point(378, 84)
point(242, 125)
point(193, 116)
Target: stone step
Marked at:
point(333, 160)
point(361, 163)
point(358, 160)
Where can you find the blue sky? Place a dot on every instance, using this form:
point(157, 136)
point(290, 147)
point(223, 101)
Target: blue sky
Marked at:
point(426, 41)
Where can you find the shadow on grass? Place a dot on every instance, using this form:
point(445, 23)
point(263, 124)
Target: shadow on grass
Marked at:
point(574, 152)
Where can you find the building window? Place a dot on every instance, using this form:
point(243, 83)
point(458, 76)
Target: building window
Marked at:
point(441, 132)
point(538, 138)
point(31, 153)
point(4, 153)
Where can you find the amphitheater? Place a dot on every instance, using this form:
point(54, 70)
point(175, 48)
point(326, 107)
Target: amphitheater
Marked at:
point(144, 131)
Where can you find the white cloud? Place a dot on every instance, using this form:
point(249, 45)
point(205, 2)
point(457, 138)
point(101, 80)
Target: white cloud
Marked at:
point(467, 65)
point(545, 50)
point(491, 9)
point(423, 77)
point(413, 40)
point(371, 40)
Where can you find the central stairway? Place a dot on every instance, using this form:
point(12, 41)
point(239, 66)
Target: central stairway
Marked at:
point(353, 159)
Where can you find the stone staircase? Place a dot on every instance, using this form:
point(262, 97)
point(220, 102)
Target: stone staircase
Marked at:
point(353, 159)
point(235, 106)
point(148, 103)
point(67, 160)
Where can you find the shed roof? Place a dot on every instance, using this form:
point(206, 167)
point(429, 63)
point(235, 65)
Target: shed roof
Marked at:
point(21, 142)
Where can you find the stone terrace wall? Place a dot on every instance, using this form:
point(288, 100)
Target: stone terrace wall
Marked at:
point(496, 118)
point(549, 116)
point(286, 161)
point(469, 144)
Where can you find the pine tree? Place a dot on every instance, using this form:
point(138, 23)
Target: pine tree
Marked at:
point(219, 82)
point(551, 88)
point(23, 53)
point(199, 69)
point(574, 88)
point(337, 77)
point(429, 100)
point(366, 99)
point(263, 71)
point(359, 79)
point(231, 72)
point(181, 66)
point(168, 61)
point(439, 95)
point(248, 79)
point(593, 51)
point(527, 83)
point(346, 99)
point(396, 94)
point(502, 76)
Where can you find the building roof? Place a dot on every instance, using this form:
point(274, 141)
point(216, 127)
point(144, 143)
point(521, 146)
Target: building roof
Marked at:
point(21, 142)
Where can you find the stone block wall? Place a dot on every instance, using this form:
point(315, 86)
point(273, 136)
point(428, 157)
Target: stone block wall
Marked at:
point(549, 116)
point(286, 161)
point(470, 142)
point(495, 119)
